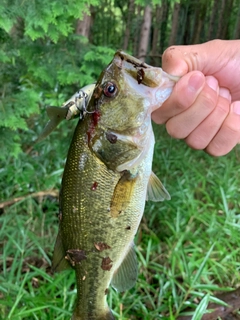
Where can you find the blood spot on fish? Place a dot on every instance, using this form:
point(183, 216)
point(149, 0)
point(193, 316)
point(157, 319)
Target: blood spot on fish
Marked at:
point(140, 76)
point(106, 264)
point(128, 228)
point(100, 246)
point(75, 256)
point(95, 118)
point(112, 138)
point(94, 186)
point(106, 291)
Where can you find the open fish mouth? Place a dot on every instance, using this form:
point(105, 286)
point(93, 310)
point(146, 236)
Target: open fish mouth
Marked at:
point(144, 74)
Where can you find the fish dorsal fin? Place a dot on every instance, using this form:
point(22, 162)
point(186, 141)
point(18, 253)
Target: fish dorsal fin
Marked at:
point(156, 190)
point(59, 263)
point(126, 275)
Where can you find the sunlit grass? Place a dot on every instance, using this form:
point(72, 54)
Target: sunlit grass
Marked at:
point(188, 248)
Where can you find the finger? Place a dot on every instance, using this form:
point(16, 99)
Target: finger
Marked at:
point(184, 94)
point(225, 93)
point(228, 135)
point(201, 137)
point(178, 60)
point(219, 58)
point(183, 124)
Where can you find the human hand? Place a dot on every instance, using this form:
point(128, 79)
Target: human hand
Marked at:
point(204, 107)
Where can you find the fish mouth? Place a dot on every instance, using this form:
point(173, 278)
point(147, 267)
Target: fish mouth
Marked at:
point(153, 80)
point(139, 70)
point(142, 72)
point(130, 59)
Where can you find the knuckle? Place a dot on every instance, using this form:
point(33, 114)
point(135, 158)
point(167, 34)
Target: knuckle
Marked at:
point(225, 140)
point(216, 149)
point(158, 119)
point(223, 107)
point(174, 131)
point(170, 130)
point(196, 142)
point(232, 128)
point(180, 107)
point(208, 100)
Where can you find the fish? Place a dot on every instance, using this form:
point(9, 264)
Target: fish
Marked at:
point(74, 107)
point(107, 179)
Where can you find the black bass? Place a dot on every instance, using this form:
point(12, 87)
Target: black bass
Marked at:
point(74, 107)
point(106, 180)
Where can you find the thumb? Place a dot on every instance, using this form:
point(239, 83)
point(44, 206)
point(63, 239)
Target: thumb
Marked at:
point(179, 60)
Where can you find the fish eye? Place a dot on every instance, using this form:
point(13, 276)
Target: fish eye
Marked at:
point(109, 89)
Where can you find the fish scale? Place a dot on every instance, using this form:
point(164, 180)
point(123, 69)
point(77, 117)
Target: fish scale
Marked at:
point(93, 214)
point(106, 180)
point(89, 279)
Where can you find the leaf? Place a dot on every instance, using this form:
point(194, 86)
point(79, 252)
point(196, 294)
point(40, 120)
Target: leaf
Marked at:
point(201, 308)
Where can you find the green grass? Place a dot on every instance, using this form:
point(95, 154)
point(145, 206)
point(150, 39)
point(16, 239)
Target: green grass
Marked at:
point(188, 248)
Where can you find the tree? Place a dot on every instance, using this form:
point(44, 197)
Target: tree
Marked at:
point(155, 52)
point(145, 32)
point(173, 36)
point(128, 24)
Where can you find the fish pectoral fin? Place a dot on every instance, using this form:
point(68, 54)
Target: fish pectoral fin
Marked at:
point(126, 275)
point(156, 190)
point(59, 263)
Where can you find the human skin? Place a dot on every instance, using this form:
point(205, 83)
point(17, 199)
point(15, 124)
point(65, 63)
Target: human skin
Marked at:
point(204, 107)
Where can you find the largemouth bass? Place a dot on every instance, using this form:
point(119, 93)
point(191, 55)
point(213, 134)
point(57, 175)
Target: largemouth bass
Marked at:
point(74, 107)
point(106, 180)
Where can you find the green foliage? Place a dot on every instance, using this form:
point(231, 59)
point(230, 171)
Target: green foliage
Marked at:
point(188, 247)
point(42, 62)
point(93, 61)
point(51, 19)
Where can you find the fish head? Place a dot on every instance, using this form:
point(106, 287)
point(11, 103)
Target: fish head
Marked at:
point(128, 91)
point(126, 94)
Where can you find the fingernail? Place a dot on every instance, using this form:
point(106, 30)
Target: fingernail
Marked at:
point(212, 82)
point(236, 107)
point(196, 81)
point(225, 93)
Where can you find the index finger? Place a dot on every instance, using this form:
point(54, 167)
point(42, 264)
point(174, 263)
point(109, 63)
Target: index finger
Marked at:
point(183, 96)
